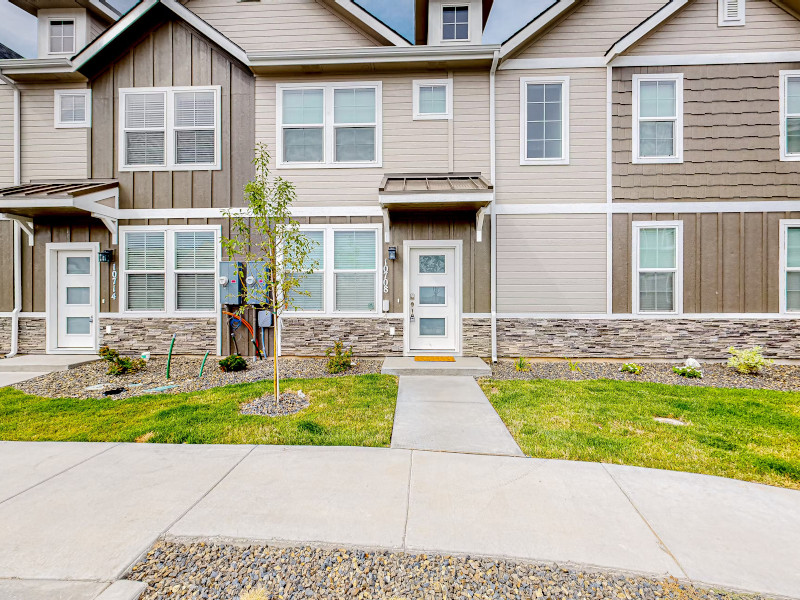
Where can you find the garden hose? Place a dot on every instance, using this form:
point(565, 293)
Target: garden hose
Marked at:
point(203, 366)
point(169, 356)
point(249, 328)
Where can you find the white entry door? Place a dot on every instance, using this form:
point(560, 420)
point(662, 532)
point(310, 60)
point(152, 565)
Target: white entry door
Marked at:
point(433, 305)
point(76, 299)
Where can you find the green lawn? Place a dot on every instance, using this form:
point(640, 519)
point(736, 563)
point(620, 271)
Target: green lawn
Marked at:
point(352, 411)
point(746, 434)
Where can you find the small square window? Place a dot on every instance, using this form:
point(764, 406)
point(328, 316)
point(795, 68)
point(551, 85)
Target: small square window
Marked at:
point(455, 23)
point(433, 99)
point(72, 108)
point(62, 36)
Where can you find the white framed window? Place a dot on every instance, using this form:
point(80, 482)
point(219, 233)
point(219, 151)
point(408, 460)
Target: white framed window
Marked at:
point(72, 108)
point(544, 120)
point(789, 286)
point(731, 13)
point(658, 118)
point(790, 115)
point(176, 129)
point(657, 259)
point(433, 99)
point(329, 125)
point(61, 36)
point(169, 269)
point(455, 23)
point(346, 279)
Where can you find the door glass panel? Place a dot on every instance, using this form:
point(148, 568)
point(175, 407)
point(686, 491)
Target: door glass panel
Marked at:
point(78, 295)
point(431, 263)
point(431, 327)
point(78, 325)
point(78, 265)
point(432, 295)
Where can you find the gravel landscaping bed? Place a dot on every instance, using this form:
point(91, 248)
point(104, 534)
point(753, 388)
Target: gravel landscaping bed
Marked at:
point(265, 406)
point(226, 571)
point(183, 376)
point(775, 377)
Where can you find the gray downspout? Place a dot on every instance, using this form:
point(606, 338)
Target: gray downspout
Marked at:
point(493, 218)
point(17, 233)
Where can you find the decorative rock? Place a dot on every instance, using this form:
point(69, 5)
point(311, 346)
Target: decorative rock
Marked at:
point(669, 421)
point(692, 362)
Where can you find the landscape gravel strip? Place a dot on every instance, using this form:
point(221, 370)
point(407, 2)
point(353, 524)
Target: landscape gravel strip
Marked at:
point(172, 569)
point(265, 405)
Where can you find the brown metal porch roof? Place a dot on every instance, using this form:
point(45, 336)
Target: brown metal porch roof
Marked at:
point(57, 198)
point(410, 183)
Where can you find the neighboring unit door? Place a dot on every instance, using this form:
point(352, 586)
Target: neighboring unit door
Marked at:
point(432, 305)
point(76, 299)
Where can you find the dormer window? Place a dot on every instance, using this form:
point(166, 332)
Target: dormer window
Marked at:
point(62, 36)
point(731, 13)
point(455, 23)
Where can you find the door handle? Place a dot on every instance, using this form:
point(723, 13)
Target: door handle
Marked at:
point(91, 319)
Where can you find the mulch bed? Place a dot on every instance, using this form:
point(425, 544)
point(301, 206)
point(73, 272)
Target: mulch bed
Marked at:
point(265, 406)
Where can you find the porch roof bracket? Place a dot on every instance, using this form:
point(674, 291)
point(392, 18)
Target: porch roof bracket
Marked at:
point(387, 231)
point(111, 224)
point(479, 216)
point(25, 223)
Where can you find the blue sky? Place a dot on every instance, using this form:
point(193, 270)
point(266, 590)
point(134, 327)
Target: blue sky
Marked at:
point(18, 28)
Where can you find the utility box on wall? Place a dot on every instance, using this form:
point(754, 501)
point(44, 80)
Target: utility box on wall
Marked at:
point(230, 284)
point(257, 277)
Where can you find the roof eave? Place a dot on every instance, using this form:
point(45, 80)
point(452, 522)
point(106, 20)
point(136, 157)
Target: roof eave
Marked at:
point(539, 22)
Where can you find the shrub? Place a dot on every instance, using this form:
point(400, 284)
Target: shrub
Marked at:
point(631, 368)
point(573, 365)
point(689, 372)
point(747, 362)
point(339, 359)
point(108, 354)
point(232, 364)
point(121, 365)
point(522, 364)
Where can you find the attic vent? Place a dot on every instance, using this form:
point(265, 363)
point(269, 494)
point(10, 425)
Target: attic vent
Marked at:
point(731, 12)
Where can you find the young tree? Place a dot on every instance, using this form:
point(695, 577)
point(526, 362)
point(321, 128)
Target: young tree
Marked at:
point(265, 233)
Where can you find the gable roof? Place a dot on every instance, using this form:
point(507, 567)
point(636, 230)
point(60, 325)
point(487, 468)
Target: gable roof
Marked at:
point(367, 21)
point(6, 53)
point(548, 16)
point(421, 19)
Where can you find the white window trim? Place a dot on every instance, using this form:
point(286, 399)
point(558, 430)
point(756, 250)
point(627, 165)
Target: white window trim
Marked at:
point(169, 130)
point(722, 21)
point(170, 286)
point(74, 35)
point(678, 286)
point(469, 24)
point(784, 154)
point(523, 121)
point(329, 141)
point(785, 224)
point(678, 119)
point(329, 273)
point(58, 94)
point(420, 116)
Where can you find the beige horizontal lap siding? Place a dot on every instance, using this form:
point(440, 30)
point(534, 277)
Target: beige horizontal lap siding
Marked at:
point(730, 138)
point(584, 178)
point(47, 152)
point(409, 146)
point(694, 29)
point(6, 135)
point(551, 263)
point(279, 24)
point(731, 261)
point(590, 29)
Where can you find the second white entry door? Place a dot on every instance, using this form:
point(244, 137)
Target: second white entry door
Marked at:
point(432, 305)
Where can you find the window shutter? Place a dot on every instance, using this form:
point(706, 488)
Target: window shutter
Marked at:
point(194, 250)
point(144, 251)
point(195, 291)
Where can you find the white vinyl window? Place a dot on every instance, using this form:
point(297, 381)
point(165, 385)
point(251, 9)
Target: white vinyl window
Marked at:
point(169, 269)
point(61, 36)
point(790, 266)
point(658, 118)
point(72, 108)
point(346, 278)
point(658, 267)
point(544, 121)
point(455, 23)
point(790, 115)
point(433, 99)
point(731, 13)
point(329, 125)
point(170, 129)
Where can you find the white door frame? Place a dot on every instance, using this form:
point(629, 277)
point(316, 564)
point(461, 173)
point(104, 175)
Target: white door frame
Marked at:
point(457, 246)
point(51, 295)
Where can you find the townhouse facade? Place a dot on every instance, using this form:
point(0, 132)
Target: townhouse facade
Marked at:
point(617, 178)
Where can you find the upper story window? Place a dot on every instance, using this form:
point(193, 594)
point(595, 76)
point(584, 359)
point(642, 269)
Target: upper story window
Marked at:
point(790, 115)
point(169, 129)
point(72, 108)
point(658, 270)
point(455, 23)
point(544, 120)
point(61, 36)
point(731, 13)
point(329, 125)
point(433, 99)
point(658, 118)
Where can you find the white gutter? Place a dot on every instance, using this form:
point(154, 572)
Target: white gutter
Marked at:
point(493, 213)
point(17, 235)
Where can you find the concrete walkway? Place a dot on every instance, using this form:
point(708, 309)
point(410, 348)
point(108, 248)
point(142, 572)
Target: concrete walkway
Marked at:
point(27, 366)
point(76, 516)
point(449, 414)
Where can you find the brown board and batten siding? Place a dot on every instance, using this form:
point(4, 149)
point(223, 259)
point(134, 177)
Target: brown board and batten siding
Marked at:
point(172, 54)
point(731, 261)
point(730, 137)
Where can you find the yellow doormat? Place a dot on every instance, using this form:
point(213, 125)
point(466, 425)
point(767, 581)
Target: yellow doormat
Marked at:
point(434, 359)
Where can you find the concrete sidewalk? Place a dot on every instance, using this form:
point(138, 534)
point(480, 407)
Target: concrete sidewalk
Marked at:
point(81, 514)
point(27, 366)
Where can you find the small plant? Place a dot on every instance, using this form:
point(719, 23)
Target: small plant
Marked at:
point(573, 365)
point(339, 359)
point(748, 362)
point(632, 368)
point(121, 365)
point(232, 364)
point(522, 364)
point(688, 372)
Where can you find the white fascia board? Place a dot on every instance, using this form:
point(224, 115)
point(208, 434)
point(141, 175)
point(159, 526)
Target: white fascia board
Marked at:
point(369, 21)
point(389, 54)
point(25, 66)
point(729, 58)
point(558, 8)
point(422, 198)
point(645, 27)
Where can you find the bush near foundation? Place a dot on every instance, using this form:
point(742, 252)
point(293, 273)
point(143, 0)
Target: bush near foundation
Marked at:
point(232, 364)
point(121, 365)
point(748, 362)
point(339, 359)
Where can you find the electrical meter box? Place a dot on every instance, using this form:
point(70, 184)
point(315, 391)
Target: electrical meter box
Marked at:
point(230, 284)
point(257, 278)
